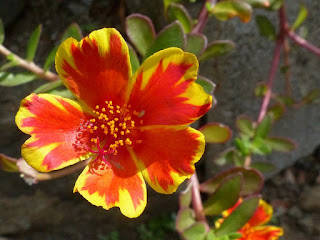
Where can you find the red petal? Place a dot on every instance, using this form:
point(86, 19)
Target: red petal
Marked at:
point(167, 156)
point(121, 186)
point(54, 124)
point(262, 233)
point(165, 90)
point(96, 69)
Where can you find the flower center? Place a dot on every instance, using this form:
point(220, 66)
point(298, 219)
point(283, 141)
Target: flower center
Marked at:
point(111, 128)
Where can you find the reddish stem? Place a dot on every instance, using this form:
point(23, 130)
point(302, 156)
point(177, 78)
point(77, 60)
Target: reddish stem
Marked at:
point(303, 43)
point(203, 17)
point(197, 201)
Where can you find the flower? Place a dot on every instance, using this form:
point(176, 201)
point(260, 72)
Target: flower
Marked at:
point(134, 128)
point(255, 229)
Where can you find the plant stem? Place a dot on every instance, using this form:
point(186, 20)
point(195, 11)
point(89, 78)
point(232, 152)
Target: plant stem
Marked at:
point(30, 66)
point(303, 43)
point(274, 64)
point(62, 172)
point(197, 201)
point(203, 17)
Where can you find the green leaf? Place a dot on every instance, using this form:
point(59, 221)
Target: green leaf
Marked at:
point(11, 80)
point(73, 31)
point(311, 96)
point(266, 28)
point(8, 164)
point(1, 32)
point(225, 196)
point(258, 146)
point(229, 9)
point(196, 43)
point(275, 5)
point(48, 86)
point(185, 218)
point(280, 144)
point(263, 166)
point(258, 3)
point(186, 197)
point(33, 43)
point(50, 59)
point(140, 31)
point(171, 36)
point(285, 100)
point(216, 133)
point(216, 49)
point(179, 12)
point(243, 145)
point(239, 217)
point(62, 93)
point(245, 125)
point(225, 157)
point(196, 232)
point(264, 127)
point(134, 60)
point(276, 111)
point(207, 85)
point(252, 181)
point(260, 89)
point(166, 3)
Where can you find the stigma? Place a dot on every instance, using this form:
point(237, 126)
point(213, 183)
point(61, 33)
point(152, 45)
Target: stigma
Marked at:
point(111, 127)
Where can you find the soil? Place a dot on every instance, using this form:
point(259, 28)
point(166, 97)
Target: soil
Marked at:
point(49, 210)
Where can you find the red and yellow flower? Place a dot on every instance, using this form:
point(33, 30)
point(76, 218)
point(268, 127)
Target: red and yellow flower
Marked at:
point(134, 128)
point(255, 229)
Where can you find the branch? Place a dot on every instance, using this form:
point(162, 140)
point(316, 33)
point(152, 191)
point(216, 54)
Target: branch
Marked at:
point(203, 17)
point(197, 202)
point(30, 66)
point(303, 43)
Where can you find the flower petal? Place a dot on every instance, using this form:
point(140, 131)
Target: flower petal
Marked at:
point(167, 156)
point(98, 62)
point(262, 215)
point(164, 89)
point(54, 124)
point(264, 233)
point(121, 186)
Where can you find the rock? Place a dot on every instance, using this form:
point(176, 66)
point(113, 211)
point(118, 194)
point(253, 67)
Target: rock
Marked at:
point(310, 199)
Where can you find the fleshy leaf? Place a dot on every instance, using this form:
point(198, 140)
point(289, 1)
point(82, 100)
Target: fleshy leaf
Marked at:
point(166, 3)
point(226, 156)
point(196, 232)
point(11, 80)
point(185, 218)
point(266, 28)
point(263, 128)
point(225, 196)
point(260, 89)
point(207, 85)
point(239, 217)
point(134, 60)
point(216, 133)
point(258, 146)
point(196, 43)
point(140, 31)
point(258, 3)
point(302, 15)
point(280, 144)
point(275, 5)
point(186, 197)
point(245, 125)
point(62, 93)
point(263, 166)
point(1, 32)
point(179, 12)
point(171, 36)
point(33, 43)
point(311, 96)
point(216, 49)
point(276, 111)
point(50, 59)
point(73, 31)
point(8, 164)
point(48, 86)
point(229, 9)
point(252, 181)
